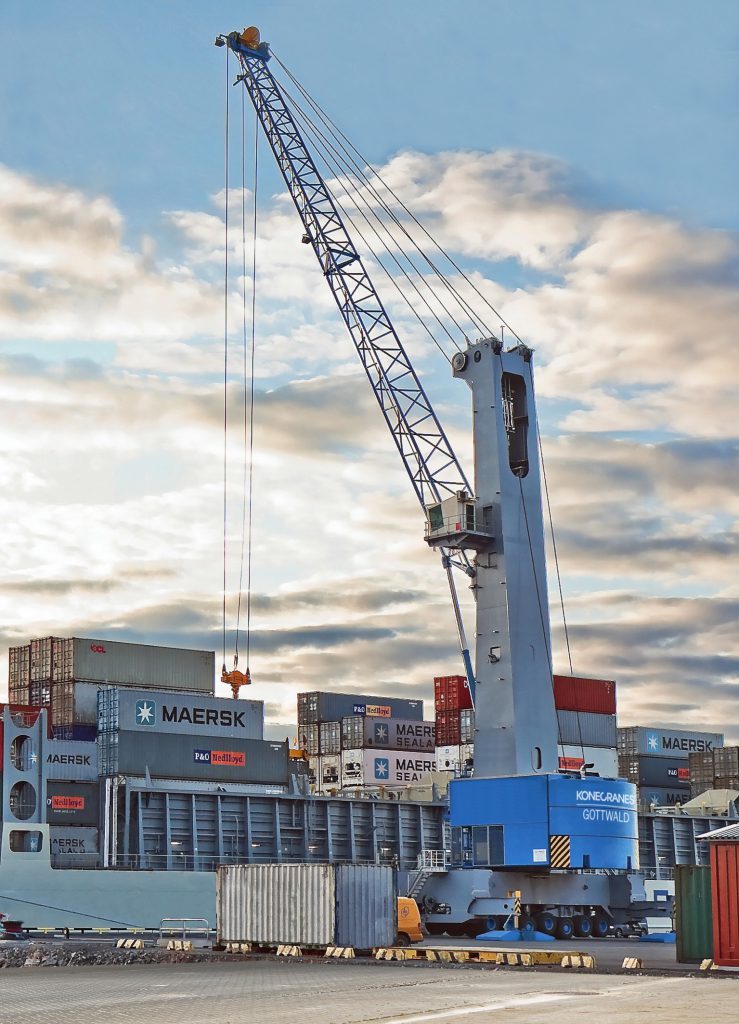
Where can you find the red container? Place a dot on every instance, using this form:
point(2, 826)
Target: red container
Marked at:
point(575, 693)
point(725, 897)
point(448, 728)
point(451, 693)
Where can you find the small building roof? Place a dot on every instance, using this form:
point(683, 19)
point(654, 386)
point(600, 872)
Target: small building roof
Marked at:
point(729, 833)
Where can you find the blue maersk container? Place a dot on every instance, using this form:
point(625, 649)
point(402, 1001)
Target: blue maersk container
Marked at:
point(546, 821)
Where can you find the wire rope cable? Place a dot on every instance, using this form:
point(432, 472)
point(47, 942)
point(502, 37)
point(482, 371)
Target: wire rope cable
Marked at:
point(225, 354)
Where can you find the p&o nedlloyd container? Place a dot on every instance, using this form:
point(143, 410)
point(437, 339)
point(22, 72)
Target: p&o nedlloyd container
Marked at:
point(113, 661)
point(386, 734)
point(326, 706)
point(161, 711)
point(363, 767)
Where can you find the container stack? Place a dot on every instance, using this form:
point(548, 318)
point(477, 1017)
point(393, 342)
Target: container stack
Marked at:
point(19, 675)
point(586, 722)
point(455, 725)
point(657, 761)
point(358, 742)
point(714, 769)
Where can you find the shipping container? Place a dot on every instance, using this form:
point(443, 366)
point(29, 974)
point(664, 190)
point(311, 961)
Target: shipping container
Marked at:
point(74, 703)
point(448, 757)
point(726, 762)
point(660, 796)
point(73, 841)
point(587, 728)
point(575, 693)
point(329, 737)
point(309, 905)
point(83, 659)
point(725, 902)
point(726, 782)
point(161, 711)
point(19, 666)
point(329, 772)
point(327, 706)
point(19, 693)
point(308, 737)
point(467, 758)
point(39, 694)
point(603, 759)
point(177, 756)
point(78, 733)
point(448, 728)
point(451, 693)
point(72, 803)
point(387, 734)
point(700, 768)
point(657, 742)
point(671, 772)
point(384, 767)
point(693, 916)
point(467, 726)
point(71, 760)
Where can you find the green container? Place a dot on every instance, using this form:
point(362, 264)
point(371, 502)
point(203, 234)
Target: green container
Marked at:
point(693, 917)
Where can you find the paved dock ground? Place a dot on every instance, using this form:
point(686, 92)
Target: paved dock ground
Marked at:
point(609, 953)
point(281, 992)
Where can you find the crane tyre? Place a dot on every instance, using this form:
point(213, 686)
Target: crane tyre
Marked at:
point(546, 922)
point(599, 925)
point(527, 926)
point(582, 926)
point(565, 928)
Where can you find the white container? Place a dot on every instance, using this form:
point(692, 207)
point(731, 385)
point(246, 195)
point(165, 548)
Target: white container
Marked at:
point(603, 759)
point(384, 767)
point(467, 757)
point(448, 758)
point(329, 773)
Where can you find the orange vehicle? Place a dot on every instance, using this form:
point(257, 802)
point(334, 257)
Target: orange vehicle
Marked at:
point(409, 922)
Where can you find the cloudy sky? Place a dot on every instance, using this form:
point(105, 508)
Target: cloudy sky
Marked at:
point(579, 159)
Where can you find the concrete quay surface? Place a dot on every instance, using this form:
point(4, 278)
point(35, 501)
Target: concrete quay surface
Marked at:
point(281, 992)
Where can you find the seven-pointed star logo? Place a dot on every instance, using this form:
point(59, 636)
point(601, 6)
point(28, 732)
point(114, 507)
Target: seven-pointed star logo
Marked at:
point(381, 733)
point(382, 768)
point(145, 712)
point(652, 741)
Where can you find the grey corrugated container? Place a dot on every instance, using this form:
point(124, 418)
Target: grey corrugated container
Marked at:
point(307, 905)
point(326, 706)
point(588, 728)
point(73, 840)
point(658, 742)
point(112, 661)
point(174, 756)
point(275, 904)
point(74, 703)
point(387, 733)
point(71, 760)
point(329, 737)
point(72, 803)
point(308, 739)
point(667, 772)
point(122, 708)
point(661, 796)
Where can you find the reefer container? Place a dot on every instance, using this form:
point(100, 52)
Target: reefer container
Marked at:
point(326, 706)
point(307, 905)
point(329, 772)
point(74, 703)
point(112, 661)
point(161, 711)
point(467, 758)
point(656, 771)
point(451, 693)
point(592, 730)
point(71, 840)
point(693, 924)
point(448, 757)
point(71, 760)
point(387, 734)
point(329, 737)
point(384, 767)
point(576, 693)
point(639, 739)
point(174, 756)
point(603, 759)
point(72, 803)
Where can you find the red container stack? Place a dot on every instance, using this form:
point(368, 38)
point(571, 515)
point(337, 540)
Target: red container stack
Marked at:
point(576, 693)
point(448, 728)
point(451, 698)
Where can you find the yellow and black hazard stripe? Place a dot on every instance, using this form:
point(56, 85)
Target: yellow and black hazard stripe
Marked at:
point(559, 851)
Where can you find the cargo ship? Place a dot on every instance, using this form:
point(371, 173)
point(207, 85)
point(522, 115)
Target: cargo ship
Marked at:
point(127, 781)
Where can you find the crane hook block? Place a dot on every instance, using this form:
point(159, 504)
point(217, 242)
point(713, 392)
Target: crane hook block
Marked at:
point(236, 679)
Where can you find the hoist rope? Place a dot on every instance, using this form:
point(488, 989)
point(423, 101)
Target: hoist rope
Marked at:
point(225, 354)
point(554, 545)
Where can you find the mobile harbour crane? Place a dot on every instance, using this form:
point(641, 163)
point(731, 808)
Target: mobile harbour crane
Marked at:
point(567, 846)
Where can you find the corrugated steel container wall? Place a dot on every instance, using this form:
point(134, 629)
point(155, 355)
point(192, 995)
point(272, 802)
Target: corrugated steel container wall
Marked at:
point(725, 903)
point(72, 803)
point(19, 693)
point(693, 913)
point(111, 661)
point(387, 734)
point(451, 693)
point(384, 767)
point(467, 726)
point(74, 703)
point(592, 730)
point(576, 693)
point(672, 773)
point(448, 728)
point(308, 736)
point(71, 840)
point(660, 797)
point(19, 665)
point(71, 760)
point(726, 761)
point(366, 906)
point(124, 709)
point(174, 756)
point(329, 734)
point(275, 904)
point(78, 733)
point(638, 739)
point(327, 706)
point(603, 759)
point(726, 782)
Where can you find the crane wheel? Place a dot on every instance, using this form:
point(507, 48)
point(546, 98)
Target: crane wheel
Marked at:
point(565, 928)
point(582, 926)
